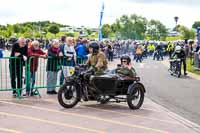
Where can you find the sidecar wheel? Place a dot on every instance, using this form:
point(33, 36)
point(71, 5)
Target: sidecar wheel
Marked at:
point(68, 95)
point(137, 95)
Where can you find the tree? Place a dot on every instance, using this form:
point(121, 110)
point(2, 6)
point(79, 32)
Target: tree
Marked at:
point(186, 33)
point(16, 28)
point(106, 30)
point(27, 34)
point(133, 27)
point(156, 30)
point(196, 24)
point(89, 32)
point(54, 29)
point(115, 27)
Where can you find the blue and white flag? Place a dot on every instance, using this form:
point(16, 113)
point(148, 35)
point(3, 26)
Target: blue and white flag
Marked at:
point(100, 25)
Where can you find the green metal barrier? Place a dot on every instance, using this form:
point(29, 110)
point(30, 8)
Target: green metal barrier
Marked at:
point(55, 65)
point(11, 74)
point(12, 70)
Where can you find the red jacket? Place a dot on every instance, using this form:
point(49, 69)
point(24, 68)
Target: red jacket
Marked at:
point(34, 61)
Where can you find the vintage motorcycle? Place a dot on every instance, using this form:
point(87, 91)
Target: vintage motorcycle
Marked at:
point(87, 86)
point(175, 67)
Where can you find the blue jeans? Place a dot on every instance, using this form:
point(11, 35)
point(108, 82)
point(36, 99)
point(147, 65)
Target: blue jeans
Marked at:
point(32, 83)
point(138, 57)
point(33, 80)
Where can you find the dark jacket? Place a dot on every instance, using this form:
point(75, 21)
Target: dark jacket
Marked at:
point(23, 52)
point(179, 55)
point(159, 48)
point(63, 58)
point(1, 53)
point(53, 62)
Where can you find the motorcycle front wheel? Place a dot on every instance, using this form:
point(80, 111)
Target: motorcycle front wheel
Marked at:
point(68, 95)
point(136, 98)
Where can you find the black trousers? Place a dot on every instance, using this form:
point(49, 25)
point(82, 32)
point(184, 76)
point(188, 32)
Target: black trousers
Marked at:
point(183, 61)
point(16, 73)
point(110, 56)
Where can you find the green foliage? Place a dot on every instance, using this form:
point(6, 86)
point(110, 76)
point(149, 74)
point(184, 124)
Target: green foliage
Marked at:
point(135, 27)
point(186, 33)
point(54, 29)
point(106, 30)
point(28, 35)
point(28, 29)
point(156, 30)
point(50, 35)
point(89, 32)
point(93, 35)
point(191, 68)
point(126, 27)
point(173, 38)
point(196, 24)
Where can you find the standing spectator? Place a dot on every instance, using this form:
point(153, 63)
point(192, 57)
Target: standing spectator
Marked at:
point(20, 51)
point(62, 45)
point(70, 54)
point(191, 51)
point(2, 44)
point(35, 52)
point(1, 53)
point(110, 53)
point(139, 54)
point(81, 52)
point(158, 52)
point(53, 66)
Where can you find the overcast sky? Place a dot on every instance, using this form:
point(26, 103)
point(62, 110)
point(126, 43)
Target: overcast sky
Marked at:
point(87, 12)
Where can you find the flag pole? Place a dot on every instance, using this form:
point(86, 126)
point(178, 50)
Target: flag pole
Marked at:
point(100, 24)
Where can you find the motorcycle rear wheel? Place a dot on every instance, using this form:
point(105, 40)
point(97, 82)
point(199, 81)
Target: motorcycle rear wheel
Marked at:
point(66, 93)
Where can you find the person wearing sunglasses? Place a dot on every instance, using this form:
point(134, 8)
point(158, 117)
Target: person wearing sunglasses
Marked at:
point(125, 68)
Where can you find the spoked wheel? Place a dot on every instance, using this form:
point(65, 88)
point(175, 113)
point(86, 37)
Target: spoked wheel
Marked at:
point(178, 72)
point(68, 95)
point(136, 98)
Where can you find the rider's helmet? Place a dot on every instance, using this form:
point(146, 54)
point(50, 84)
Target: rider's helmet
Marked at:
point(178, 49)
point(125, 57)
point(94, 46)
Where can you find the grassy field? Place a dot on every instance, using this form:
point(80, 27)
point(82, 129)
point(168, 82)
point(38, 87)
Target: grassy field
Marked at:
point(190, 67)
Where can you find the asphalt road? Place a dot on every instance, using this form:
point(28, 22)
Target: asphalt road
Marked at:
point(181, 96)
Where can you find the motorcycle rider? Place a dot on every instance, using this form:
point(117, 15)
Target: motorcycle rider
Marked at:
point(179, 53)
point(158, 52)
point(97, 60)
point(126, 68)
